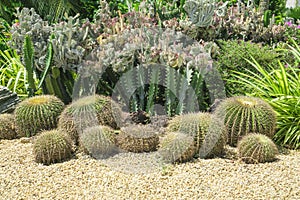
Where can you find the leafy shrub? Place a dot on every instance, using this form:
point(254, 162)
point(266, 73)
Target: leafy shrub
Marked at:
point(232, 58)
point(280, 88)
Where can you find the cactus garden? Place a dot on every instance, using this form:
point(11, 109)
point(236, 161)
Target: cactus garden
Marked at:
point(149, 99)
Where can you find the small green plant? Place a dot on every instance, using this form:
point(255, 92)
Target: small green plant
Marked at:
point(243, 115)
point(176, 147)
point(207, 130)
point(7, 127)
point(257, 148)
point(37, 113)
point(51, 147)
point(99, 141)
point(89, 111)
point(138, 138)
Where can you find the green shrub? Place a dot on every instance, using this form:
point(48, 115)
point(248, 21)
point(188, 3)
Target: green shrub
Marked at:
point(99, 141)
point(176, 147)
point(243, 115)
point(37, 113)
point(89, 111)
point(207, 130)
point(7, 127)
point(138, 138)
point(257, 148)
point(232, 58)
point(51, 147)
point(280, 88)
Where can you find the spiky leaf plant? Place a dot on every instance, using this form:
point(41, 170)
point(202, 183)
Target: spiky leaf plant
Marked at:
point(37, 113)
point(176, 147)
point(99, 141)
point(257, 148)
point(89, 111)
point(7, 127)
point(207, 130)
point(138, 138)
point(52, 146)
point(243, 115)
point(8, 100)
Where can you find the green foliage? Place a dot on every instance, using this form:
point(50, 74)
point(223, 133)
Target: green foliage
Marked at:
point(257, 148)
point(99, 141)
point(293, 13)
point(8, 100)
point(52, 147)
point(176, 147)
point(207, 130)
point(232, 57)
point(37, 113)
point(280, 88)
point(243, 115)
point(89, 111)
point(7, 127)
point(138, 138)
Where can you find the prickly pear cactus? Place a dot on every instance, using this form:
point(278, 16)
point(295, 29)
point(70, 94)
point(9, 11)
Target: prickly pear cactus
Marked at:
point(257, 148)
point(138, 138)
point(51, 147)
point(8, 100)
point(99, 141)
point(176, 147)
point(243, 115)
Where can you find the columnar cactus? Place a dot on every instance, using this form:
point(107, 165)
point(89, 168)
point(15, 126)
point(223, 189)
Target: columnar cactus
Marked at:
point(37, 113)
point(99, 141)
point(243, 115)
point(257, 148)
point(138, 138)
point(207, 130)
point(176, 147)
point(7, 127)
point(89, 111)
point(51, 147)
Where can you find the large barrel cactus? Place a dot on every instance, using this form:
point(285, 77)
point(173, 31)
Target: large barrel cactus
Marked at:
point(8, 100)
point(257, 148)
point(243, 115)
point(207, 130)
point(52, 146)
point(37, 113)
point(87, 112)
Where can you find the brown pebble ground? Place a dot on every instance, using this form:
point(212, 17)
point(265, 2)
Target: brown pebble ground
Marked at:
point(86, 178)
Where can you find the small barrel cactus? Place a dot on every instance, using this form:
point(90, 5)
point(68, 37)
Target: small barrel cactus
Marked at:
point(52, 147)
point(99, 141)
point(207, 130)
point(89, 111)
point(8, 100)
point(37, 113)
point(7, 127)
point(138, 138)
point(176, 147)
point(257, 148)
point(243, 115)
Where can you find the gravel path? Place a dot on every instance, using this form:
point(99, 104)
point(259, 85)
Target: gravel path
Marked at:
point(126, 176)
